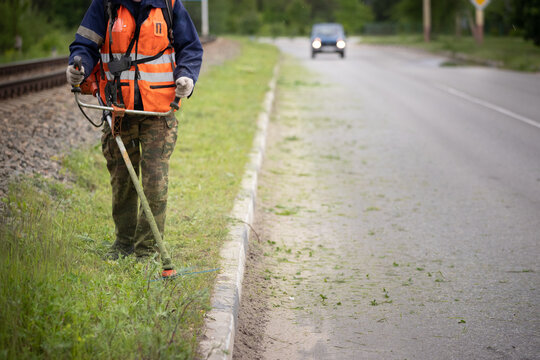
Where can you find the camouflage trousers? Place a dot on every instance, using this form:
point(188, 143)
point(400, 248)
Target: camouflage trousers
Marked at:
point(149, 142)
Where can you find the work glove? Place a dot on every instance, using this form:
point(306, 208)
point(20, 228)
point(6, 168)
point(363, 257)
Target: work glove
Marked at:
point(74, 76)
point(184, 87)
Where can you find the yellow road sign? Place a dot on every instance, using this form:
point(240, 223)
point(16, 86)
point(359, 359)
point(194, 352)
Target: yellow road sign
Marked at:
point(480, 4)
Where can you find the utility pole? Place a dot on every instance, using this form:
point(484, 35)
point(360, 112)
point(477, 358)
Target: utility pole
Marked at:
point(204, 15)
point(427, 20)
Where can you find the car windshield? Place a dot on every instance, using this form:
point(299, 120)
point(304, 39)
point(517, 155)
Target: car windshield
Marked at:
point(327, 30)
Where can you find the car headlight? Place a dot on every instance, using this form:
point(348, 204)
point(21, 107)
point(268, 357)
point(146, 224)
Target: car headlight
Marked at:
point(340, 44)
point(316, 44)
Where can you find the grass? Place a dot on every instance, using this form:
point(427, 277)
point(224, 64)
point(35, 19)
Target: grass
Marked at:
point(507, 52)
point(59, 299)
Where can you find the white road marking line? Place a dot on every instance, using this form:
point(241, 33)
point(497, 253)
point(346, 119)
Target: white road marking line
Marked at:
point(489, 105)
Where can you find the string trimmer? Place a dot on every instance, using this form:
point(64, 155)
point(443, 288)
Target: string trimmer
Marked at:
point(113, 114)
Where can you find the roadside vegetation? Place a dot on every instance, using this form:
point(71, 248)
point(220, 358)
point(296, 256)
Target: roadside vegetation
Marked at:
point(60, 299)
point(53, 43)
point(506, 52)
point(39, 28)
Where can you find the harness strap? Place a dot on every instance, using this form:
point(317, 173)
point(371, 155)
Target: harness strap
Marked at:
point(169, 20)
point(113, 90)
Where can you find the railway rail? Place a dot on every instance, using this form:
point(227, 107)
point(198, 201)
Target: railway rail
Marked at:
point(25, 66)
point(23, 86)
point(44, 74)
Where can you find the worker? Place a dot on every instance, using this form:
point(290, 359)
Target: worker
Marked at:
point(146, 51)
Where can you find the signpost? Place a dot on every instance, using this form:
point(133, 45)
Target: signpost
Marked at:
point(480, 6)
point(204, 16)
point(204, 20)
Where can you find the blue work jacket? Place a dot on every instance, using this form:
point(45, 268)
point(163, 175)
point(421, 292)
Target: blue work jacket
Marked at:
point(93, 30)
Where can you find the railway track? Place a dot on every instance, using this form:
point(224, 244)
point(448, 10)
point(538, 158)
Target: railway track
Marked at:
point(31, 76)
point(25, 66)
point(16, 88)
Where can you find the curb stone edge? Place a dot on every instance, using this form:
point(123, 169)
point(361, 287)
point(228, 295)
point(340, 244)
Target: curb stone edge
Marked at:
point(220, 324)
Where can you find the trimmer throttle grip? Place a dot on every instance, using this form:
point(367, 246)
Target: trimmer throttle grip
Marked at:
point(77, 62)
point(175, 102)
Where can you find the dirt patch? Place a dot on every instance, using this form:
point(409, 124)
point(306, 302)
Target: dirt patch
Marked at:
point(39, 129)
point(277, 323)
point(252, 318)
point(219, 51)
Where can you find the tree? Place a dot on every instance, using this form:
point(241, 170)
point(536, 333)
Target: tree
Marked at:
point(273, 11)
point(298, 15)
point(527, 18)
point(63, 13)
point(381, 9)
point(443, 13)
point(499, 17)
point(219, 12)
point(323, 10)
point(353, 14)
point(243, 17)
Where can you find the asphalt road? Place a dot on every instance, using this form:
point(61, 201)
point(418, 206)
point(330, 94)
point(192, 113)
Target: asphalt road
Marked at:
point(415, 197)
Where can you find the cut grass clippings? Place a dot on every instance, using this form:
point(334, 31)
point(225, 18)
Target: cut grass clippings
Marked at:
point(512, 53)
point(60, 299)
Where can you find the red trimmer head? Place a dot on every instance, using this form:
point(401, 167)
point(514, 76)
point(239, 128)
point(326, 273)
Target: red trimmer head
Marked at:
point(169, 274)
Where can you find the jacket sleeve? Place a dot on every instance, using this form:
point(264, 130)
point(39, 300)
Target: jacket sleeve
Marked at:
point(187, 46)
point(90, 36)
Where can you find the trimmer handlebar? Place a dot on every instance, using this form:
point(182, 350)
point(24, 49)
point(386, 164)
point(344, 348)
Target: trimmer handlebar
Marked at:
point(174, 106)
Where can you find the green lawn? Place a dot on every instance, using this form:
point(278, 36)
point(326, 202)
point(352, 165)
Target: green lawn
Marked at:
point(510, 52)
point(60, 299)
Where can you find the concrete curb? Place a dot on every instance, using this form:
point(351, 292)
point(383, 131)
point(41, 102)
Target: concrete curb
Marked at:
point(220, 323)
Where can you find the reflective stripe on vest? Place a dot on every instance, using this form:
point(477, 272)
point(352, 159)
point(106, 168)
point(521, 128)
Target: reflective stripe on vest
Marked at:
point(150, 77)
point(156, 79)
point(164, 59)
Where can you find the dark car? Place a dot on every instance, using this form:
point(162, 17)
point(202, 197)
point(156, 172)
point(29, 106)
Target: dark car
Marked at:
point(328, 37)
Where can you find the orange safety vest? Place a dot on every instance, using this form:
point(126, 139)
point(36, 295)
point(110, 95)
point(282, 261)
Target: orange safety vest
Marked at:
point(153, 54)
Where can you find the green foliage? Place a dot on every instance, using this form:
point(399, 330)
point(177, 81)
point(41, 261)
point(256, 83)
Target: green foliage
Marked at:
point(353, 14)
point(323, 10)
point(42, 25)
point(283, 17)
point(69, 13)
point(298, 13)
point(443, 13)
point(527, 17)
point(249, 23)
point(61, 300)
point(499, 17)
point(502, 17)
point(381, 9)
point(243, 17)
point(35, 19)
point(51, 43)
